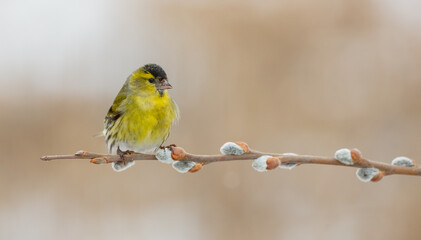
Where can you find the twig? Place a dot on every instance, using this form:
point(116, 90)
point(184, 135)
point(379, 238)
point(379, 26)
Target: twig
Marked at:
point(187, 162)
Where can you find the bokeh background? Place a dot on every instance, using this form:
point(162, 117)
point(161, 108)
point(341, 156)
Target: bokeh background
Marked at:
point(308, 77)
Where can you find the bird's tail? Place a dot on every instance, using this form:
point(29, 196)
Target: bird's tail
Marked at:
point(100, 134)
point(122, 165)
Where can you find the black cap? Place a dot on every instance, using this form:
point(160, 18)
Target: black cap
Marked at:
point(155, 70)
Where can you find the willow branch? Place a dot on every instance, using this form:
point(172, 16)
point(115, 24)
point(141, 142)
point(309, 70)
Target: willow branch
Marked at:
point(239, 151)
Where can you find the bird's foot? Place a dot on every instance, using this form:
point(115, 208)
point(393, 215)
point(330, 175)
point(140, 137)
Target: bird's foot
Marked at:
point(124, 154)
point(169, 146)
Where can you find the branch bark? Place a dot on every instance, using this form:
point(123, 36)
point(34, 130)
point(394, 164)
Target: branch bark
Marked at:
point(270, 160)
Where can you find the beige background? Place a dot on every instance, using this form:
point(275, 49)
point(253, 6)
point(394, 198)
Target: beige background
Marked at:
point(308, 77)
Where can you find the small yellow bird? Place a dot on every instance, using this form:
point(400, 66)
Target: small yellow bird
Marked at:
point(141, 116)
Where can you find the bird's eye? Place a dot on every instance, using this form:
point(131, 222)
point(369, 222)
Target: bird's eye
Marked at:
point(151, 80)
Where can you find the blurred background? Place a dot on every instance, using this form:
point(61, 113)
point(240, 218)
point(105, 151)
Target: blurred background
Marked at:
point(308, 77)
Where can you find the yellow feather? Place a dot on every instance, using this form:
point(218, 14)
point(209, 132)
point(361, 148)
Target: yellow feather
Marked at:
point(140, 118)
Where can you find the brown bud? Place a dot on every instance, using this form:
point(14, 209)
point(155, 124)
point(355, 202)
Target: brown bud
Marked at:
point(378, 176)
point(196, 167)
point(355, 155)
point(272, 163)
point(177, 153)
point(81, 153)
point(244, 146)
point(98, 160)
point(107, 160)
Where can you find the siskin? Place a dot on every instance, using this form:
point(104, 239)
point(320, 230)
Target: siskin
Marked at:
point(141, 116)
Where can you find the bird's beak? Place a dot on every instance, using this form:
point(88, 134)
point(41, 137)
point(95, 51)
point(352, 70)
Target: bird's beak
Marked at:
point(164, 84)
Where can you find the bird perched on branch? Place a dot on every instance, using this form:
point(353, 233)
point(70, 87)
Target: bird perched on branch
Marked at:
point(141, 116)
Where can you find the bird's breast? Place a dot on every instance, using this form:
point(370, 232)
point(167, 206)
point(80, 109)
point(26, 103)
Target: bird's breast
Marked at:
point(147, 121)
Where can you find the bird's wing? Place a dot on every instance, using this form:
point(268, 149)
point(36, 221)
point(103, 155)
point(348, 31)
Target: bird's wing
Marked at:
point(176, 111)
point(114, 112)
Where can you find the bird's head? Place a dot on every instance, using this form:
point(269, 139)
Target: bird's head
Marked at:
point(150, 79)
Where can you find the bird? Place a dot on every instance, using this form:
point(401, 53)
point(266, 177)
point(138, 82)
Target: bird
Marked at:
point(141, 116)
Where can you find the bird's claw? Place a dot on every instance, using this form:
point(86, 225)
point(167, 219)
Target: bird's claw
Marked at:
point(169, 146)
point(123, 154)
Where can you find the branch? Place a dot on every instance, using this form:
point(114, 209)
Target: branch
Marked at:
point(186, 162)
